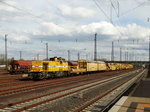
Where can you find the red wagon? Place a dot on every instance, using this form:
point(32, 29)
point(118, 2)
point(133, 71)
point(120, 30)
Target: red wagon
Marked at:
point(20, 66)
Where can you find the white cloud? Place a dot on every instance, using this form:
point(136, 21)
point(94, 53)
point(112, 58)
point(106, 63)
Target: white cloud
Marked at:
point(74, 20)
point(49, 28)
point(106, 29)
point(130, 31)
point(134, 31)
point(76, 12)
point(20, 37)
point(103, 27)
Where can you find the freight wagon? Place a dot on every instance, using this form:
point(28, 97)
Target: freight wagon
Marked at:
point(19, 66)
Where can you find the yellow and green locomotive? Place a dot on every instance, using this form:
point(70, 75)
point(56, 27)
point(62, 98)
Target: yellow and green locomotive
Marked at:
point(55, 67)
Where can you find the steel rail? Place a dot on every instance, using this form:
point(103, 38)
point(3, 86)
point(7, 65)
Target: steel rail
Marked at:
point(99, 97)
point(42, 84)
point(54, 93)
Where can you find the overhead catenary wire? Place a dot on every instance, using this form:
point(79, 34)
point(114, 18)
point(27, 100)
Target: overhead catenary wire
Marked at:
point(129, 11)
point(121, 34)
point(132, 9)
point(96, 3)
point(114, 7)
point(39, 16)
point(19, 9)
point(27, 11)
point(24, 12)
point(117, 13)
point(118, 8)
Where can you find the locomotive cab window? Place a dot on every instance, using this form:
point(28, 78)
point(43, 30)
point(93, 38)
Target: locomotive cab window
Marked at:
point(45, 66)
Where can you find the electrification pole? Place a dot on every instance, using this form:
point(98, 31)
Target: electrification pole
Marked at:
point(95, 47)
point(133, 54)
point(6, 61)
point(46, 51)
point(111, 5)
point(112, 52)
point(149, 60)
point(78, 56)
point(20, 55)
point(86, 56)
point(149, 50)
point(120, 54)
point(127, 54)
point(148, 75)
point(118, 8)
point(68, 55)
point(37, 56)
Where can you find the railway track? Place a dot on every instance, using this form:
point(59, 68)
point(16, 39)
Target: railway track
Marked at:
point(31, 86)
point(36, 86)
point(3, 71)
point(9, 79)
point(88, 106)
point(30, 104)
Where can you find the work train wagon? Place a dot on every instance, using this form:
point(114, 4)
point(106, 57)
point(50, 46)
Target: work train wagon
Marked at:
point(85, 66)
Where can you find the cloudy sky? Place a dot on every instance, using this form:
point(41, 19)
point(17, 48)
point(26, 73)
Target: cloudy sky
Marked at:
point(71, 25)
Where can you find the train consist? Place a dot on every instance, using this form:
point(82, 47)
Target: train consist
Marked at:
point(58, 67)
point(19, 66)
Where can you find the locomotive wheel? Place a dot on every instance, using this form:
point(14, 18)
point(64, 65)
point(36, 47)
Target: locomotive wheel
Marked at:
point(59, 74)
point(41, 76)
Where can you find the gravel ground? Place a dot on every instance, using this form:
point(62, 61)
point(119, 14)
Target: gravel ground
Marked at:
point(60, 105)
point(68, 103)
point(5, 100)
